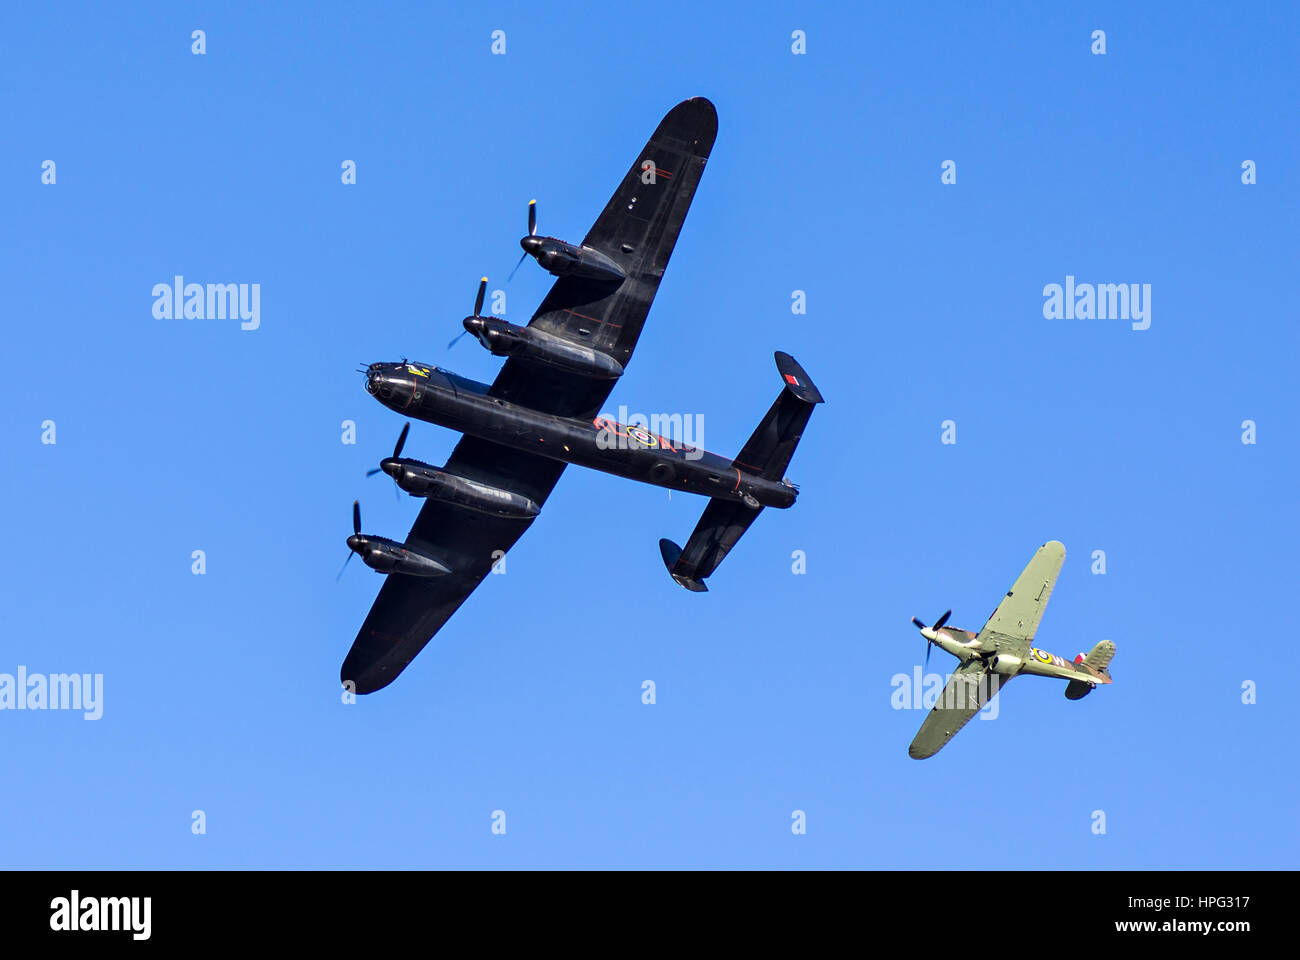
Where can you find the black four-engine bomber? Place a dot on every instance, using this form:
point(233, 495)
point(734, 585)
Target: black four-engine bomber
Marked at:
point(542, 413)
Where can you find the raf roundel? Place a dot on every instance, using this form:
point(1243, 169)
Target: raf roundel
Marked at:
point(643, 437)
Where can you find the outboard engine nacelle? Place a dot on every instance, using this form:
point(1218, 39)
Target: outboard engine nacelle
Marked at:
point(505, 339)
point(566, 260)
point(387, 556)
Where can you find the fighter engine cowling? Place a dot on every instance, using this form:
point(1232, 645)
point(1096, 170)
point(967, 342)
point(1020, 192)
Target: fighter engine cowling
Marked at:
point(422, 480)
point(566, 260)
point(505, 339)
point(1005, 665)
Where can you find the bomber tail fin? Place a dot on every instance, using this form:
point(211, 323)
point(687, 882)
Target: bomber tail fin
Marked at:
point(768, 451)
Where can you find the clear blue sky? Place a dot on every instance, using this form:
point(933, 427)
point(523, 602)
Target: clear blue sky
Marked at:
point(924, 304)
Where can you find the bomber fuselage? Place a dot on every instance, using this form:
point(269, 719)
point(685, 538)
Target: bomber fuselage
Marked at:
point(438, 396)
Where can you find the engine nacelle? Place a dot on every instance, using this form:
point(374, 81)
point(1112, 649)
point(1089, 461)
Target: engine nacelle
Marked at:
point(1005, 665)
point(421, 480)
point(388, 556)
point(566, 260)
point(505, 339)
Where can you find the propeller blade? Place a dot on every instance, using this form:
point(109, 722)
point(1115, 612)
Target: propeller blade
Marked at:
point(942, 620)
point(401, 439)
point(478, 301)
point(532, 218)
point(919, 624)
point(517, 265)
point(356, 516)
point(371, 473)
point(344, 567)
point(456, 339)
point(928, 645)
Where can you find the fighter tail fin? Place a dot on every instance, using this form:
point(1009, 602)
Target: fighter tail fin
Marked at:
point(1099, 657)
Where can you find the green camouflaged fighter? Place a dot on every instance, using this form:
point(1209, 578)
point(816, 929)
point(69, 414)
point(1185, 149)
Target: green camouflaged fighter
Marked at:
point(1002, 650)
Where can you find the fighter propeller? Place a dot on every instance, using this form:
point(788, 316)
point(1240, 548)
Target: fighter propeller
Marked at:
point(930, 632)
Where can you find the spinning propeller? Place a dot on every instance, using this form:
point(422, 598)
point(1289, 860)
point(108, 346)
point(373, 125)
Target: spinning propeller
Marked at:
point(356, 532)
point(930, 632)
point(478, 311)
point(397, 452)
point(528, 243)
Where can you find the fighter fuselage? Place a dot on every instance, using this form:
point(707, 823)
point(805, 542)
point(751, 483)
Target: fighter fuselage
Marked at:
point(966, 645)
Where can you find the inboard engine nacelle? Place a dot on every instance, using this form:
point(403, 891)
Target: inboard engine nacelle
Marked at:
point(505, 339)
point(422, 480)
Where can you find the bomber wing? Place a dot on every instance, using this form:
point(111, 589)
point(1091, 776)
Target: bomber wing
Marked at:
point(637, 230)
point(410, 610)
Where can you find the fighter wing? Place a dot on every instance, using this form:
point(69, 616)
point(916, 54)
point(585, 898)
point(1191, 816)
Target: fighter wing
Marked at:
point(410, 610)
point(1015, 621)
point(968, 690)
point(637, 230)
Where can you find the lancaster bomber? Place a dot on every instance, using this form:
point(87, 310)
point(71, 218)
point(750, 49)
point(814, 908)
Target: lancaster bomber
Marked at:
point(1002, 650)
point(542, 413)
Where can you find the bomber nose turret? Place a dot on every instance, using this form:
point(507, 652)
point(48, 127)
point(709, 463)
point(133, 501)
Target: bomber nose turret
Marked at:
point(390, 385)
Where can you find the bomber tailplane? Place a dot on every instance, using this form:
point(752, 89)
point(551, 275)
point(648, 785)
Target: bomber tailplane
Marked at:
point(766, 455)
point(723, 523)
